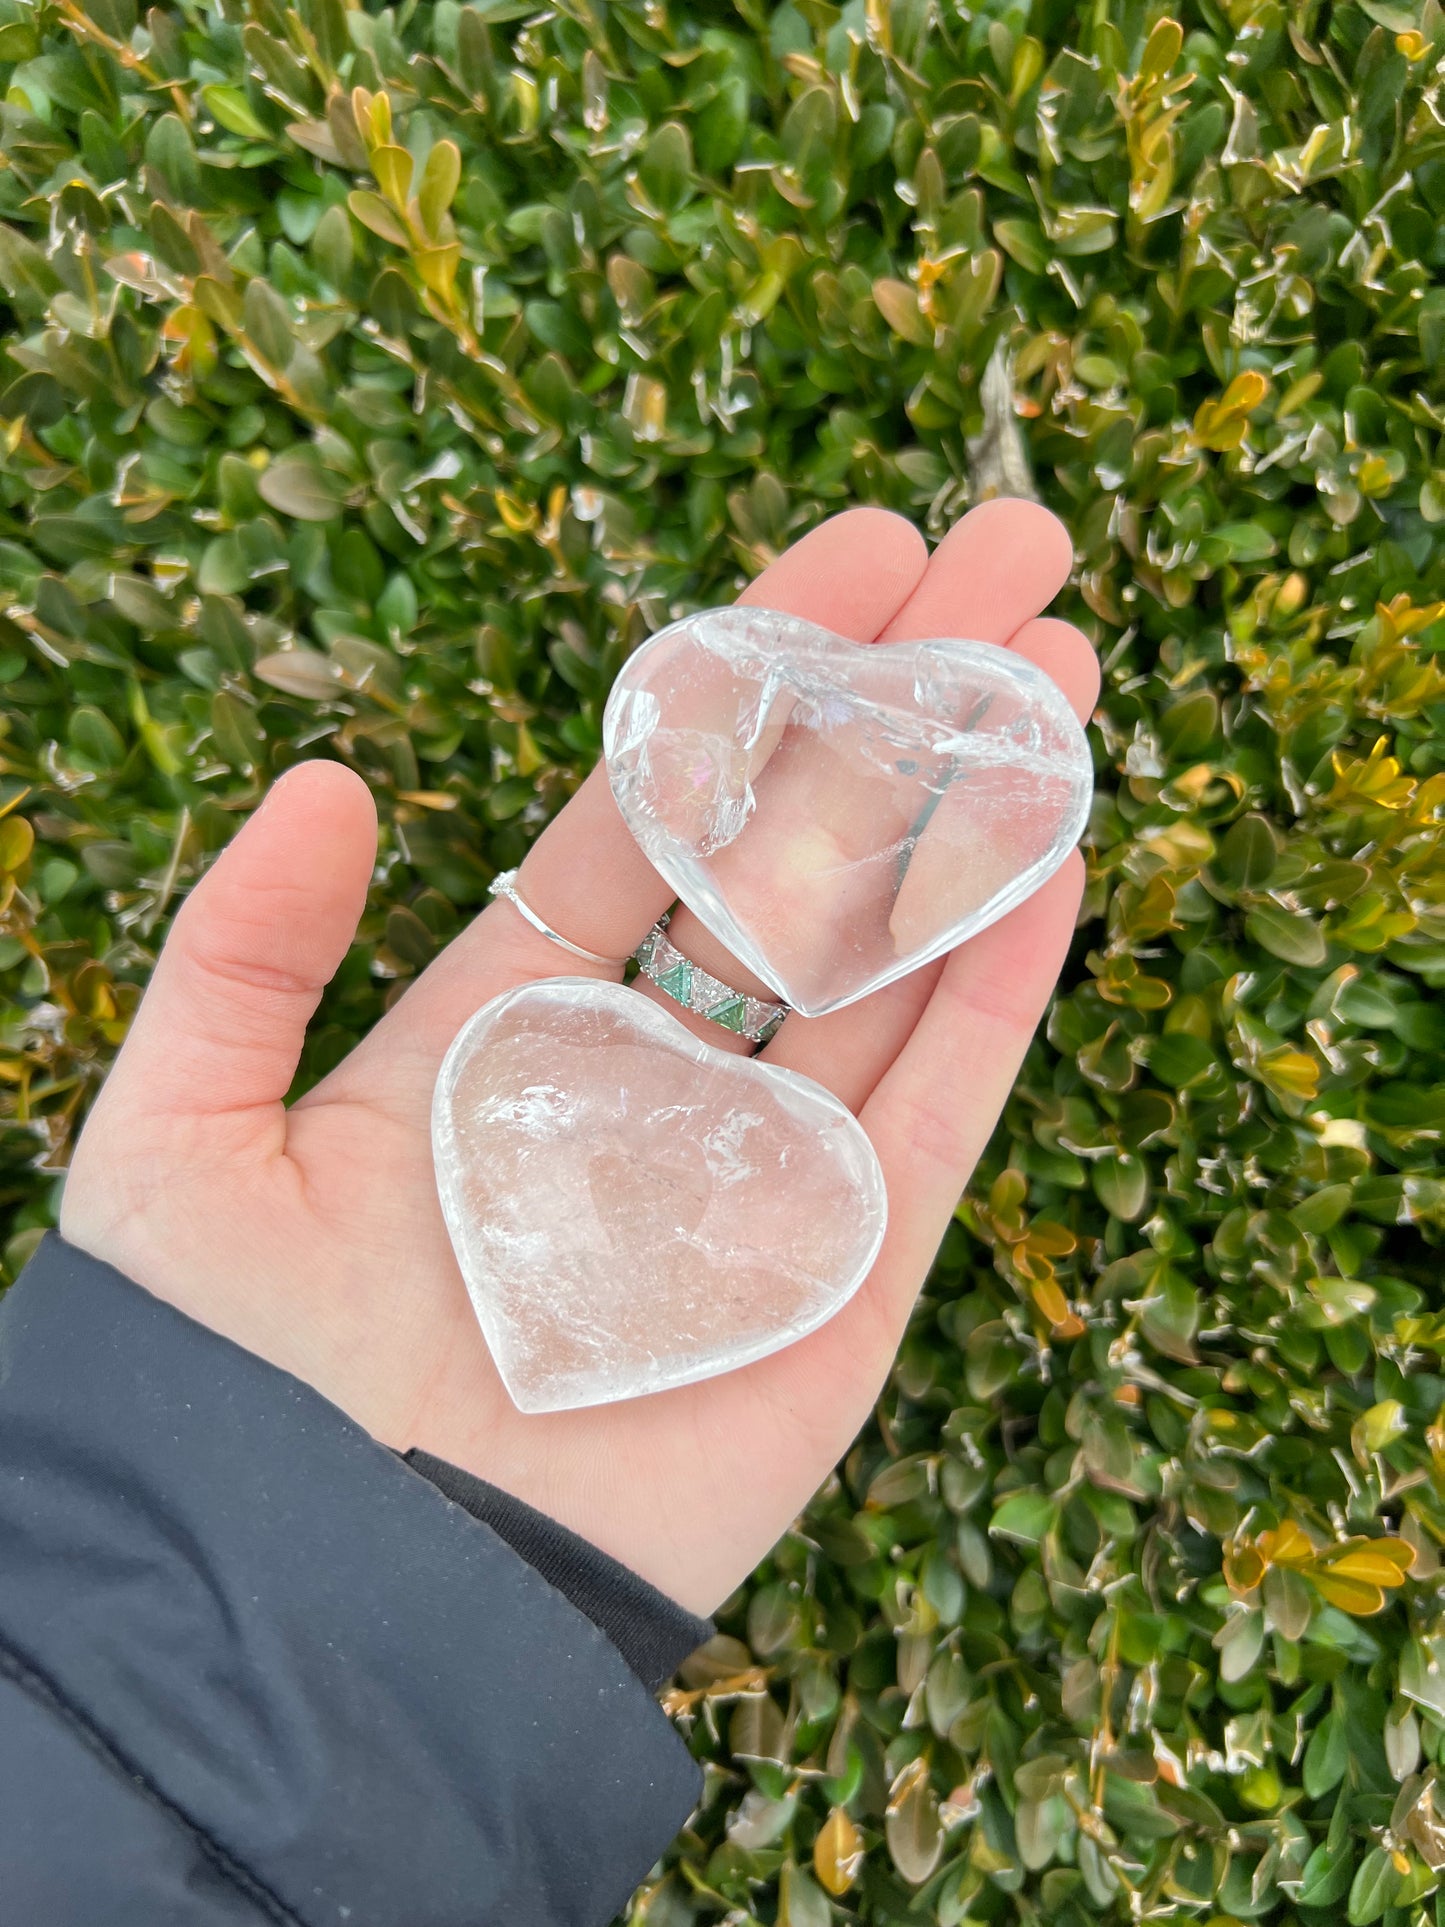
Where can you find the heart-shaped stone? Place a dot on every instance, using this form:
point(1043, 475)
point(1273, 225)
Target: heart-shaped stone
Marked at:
point(633, 1209)
point(838, 815)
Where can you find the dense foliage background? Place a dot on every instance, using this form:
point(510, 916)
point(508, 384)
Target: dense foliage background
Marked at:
point(373, 379)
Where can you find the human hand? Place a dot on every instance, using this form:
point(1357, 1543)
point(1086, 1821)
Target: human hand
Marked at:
point(313, 1235)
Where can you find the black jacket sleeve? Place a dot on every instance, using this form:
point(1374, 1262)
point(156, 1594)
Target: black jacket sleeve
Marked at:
point(653, 1633)
point(256, 1668)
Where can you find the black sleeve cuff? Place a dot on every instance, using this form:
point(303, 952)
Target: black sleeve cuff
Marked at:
point(368, 1705)
point(652, 1632)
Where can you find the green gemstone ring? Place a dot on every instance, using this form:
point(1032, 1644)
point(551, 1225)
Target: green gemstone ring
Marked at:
point(687, 983)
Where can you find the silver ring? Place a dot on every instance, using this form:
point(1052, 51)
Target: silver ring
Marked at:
point(696, 989)
point(505, 885)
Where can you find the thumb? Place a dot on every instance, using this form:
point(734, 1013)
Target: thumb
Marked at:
point(222, 1023)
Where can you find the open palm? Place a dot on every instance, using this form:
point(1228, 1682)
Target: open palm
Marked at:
point(313, 1236)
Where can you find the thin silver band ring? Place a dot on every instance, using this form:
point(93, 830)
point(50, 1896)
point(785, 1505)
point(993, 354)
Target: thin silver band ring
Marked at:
point(505, 885)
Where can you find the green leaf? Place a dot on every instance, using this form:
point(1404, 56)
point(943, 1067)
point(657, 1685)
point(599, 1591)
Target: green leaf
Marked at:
point(721, 126)
point(1287, 934)
point(1287, 1602)
point(666, 167)
point(1422, 1673)
point(234, 112)
point(1430, 322)
point(297, 484)
point(1397, 19)
point(25, 273)
point(1240, 1641)
point(1239, 542)
point(1041, 1828)
point(1023, 242)
point(300, 672)
point(356, 568)
point(1180, 1060)
point(267, 321)
point(1248, 854)
point(95, 739)
point(1402, 1740)
point(801, 1901)
point(223, 569)
point(284, 72)
point(809, 135)
point(1326, 1756)
point(1082, 230)
point(1170, 1315)
point(1024, 1517)
point(237, 731)
point(1122, 1185)
point(141, 603)
point(18, 41)
point(115, 18)
point(1327, 1878)
point(332, 247)
point(1374, 1887)
point(1135, 1810)
point(172, 155)
point(236, 488)
point(898, 305)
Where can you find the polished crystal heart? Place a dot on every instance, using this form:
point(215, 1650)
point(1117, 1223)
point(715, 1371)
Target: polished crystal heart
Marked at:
point(633, 1209)
point(838, 815)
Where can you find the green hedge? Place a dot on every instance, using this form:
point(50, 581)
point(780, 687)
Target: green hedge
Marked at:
point(1086, 1628)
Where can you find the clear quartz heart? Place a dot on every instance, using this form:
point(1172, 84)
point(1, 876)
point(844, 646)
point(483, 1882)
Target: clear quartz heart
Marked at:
point(633, 1209)
point(838, 815)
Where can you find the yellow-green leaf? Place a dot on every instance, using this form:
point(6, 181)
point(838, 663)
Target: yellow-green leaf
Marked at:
point(392, 167)
point(439, 180)
point(234, 112)
point(17, 840)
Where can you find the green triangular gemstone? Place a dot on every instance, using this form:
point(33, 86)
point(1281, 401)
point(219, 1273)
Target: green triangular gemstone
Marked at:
point(677, 982)
point(732, 1015)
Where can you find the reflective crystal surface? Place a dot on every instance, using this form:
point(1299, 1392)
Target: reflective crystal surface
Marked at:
point(633, 1209)
point(837, 815)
